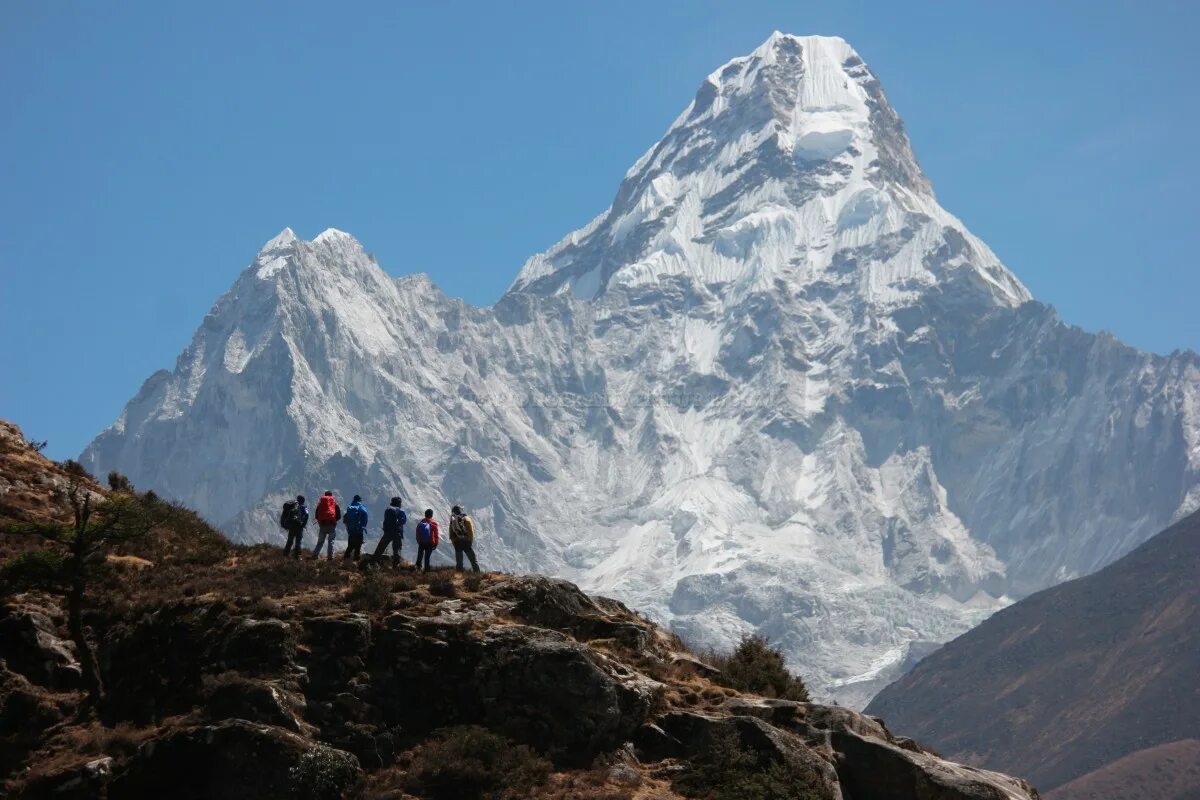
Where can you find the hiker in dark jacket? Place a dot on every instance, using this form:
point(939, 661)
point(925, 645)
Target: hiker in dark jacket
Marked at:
point(355, 520)
point(426, 535)
point(394, 520)
point(462, 536)
point(328, 515)
point(293, 519)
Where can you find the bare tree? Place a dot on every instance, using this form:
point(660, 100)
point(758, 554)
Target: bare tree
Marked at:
point(74, 552)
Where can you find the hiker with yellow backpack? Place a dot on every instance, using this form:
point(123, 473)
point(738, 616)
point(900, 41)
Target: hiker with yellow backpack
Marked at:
point(462, 536)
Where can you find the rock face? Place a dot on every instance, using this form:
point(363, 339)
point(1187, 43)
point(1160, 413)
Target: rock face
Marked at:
point(773, 387)
point(33, 647)
point(1074, 678)
point(221, 695)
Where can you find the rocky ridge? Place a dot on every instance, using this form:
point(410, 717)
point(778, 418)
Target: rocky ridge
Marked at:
point(234, 673)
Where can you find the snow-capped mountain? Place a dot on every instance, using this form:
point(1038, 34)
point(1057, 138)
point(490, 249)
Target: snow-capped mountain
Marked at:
point(774, 387)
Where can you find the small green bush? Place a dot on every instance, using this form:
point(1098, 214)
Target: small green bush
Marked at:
point(730, 772)
point(468, 762)
point(756, 667)
point(324, 773)
point(36, 569)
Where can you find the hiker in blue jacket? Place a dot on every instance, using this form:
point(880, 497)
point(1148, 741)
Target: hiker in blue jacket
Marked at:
point(355, 520)
point(394, 520)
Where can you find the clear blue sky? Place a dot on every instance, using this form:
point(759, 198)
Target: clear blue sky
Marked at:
point(148, 149)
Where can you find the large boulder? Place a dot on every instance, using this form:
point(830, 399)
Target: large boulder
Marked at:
point(230, 760)
point(699, 738)
point(338, 649)
point(31, 646)
point(870, 767)
point(871, 762)
point(156, 665)
point(536, 686)
point(256, 701)
point(562, 606)
point(543, 689)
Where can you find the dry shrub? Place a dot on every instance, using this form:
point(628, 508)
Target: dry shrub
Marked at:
point(372, 593)
point(443, 586)
point(468, 762)
point(404, 583)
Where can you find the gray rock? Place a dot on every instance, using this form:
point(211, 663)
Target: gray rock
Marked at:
point(543, 689)
point(229, 760)
point(694, 736)
point(30, 645)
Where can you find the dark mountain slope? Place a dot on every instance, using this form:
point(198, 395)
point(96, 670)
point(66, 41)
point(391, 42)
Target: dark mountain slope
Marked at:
point(1072, 678)
point(1165, 772)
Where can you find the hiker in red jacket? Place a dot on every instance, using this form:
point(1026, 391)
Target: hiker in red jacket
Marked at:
point(427, 538)
point(328, 514)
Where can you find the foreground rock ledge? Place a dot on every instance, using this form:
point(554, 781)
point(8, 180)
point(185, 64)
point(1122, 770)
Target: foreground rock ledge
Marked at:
point(221, 696)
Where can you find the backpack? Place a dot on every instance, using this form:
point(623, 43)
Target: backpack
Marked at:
point(462, 530)
point(326, 509)
point(424, 532)
point(355, 518)
point(287, 518)
point(394, 519)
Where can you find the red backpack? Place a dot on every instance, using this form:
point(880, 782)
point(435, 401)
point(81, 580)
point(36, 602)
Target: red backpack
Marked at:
point(326, 509)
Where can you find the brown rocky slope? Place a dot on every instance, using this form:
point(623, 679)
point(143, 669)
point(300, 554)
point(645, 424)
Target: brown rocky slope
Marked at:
point(1073, 678)
point(230, 672)
point(1165, 772)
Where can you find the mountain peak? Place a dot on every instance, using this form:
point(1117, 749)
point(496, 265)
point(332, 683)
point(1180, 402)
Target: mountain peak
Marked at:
point(826, 46)
point(333, 235)
point(787, 162)
point(285, 238)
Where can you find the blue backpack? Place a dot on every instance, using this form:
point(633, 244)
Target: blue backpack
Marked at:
point(424, 532)
point(356, 517)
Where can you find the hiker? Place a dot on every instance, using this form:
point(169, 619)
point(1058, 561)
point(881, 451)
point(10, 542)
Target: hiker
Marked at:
point(328, 515)
point(355, 520)
point(462, 536)
point(293, 519)
point(394, 520)
point(426, 535)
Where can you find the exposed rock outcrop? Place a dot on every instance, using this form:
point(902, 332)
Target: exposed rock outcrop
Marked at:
point(233, 699)
point(231, 672)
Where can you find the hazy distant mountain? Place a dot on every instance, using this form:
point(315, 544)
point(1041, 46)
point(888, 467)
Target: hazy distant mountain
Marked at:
point(774, 387)
point(1097, 675)
point(1163, 772)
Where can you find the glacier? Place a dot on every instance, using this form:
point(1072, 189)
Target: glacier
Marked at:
point(774, 387)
